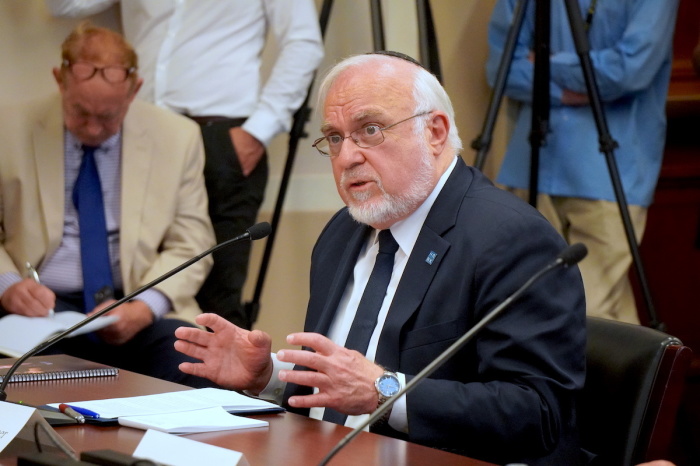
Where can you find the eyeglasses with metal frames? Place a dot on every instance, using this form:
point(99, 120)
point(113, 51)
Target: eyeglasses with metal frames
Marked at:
point(368, 136)
point(83, 71)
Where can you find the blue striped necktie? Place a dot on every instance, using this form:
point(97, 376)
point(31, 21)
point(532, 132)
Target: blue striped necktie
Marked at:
point(94, 249)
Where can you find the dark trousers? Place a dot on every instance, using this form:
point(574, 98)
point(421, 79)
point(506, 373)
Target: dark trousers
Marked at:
point(150, 352)
point(234, 201)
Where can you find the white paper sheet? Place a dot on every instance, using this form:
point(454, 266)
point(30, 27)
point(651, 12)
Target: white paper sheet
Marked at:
point(189, 422)
point(19, 334)
point(174, 402)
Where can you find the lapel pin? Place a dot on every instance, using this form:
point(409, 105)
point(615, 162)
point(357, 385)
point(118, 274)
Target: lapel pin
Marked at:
point(431, 257)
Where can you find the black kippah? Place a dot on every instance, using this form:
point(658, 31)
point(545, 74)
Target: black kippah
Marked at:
point(403, 56)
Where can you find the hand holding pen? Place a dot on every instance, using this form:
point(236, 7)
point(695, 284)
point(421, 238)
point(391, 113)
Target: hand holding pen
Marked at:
point(32, 273)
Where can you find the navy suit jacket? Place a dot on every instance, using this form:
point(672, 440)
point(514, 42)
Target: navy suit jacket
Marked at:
point(508, 395)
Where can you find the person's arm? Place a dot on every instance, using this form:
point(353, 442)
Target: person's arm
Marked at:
point(77, 8)
point(631, 63)
point(515, 383)
point(521, 73)
point(134, 316)
point(157, 302)
point(294, 25)
point(18, 295)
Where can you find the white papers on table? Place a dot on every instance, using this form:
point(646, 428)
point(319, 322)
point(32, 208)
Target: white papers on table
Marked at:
point(174, 402)
point(189, 422)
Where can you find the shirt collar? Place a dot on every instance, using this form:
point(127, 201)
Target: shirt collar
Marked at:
point(110, 144)
point(406, 231)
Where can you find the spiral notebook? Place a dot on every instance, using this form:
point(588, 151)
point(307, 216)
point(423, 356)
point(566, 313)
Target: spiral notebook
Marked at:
point(54, 367)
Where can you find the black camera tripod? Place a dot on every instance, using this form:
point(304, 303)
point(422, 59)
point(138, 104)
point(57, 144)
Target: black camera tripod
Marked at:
point(540, 115)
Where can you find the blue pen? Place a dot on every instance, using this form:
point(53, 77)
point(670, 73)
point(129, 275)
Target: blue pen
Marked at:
point(85, 412)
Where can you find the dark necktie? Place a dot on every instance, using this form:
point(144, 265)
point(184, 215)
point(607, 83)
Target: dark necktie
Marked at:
point(94, 249)
point(367, 311)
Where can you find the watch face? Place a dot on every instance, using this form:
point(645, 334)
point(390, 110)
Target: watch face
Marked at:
point(388, 385)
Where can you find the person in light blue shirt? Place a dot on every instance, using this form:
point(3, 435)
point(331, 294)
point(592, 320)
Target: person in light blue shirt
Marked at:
point(631, 42)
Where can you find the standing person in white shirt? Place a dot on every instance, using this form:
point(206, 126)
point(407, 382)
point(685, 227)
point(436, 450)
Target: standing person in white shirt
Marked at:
point(202, 59)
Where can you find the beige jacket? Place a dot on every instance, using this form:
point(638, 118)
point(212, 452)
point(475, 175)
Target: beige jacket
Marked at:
point(163, 205)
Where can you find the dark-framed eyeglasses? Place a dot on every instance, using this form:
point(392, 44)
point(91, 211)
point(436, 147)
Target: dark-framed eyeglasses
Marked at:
point(368, 136)
point(82, 71)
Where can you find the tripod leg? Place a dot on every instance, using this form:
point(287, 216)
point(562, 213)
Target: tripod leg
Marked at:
point(301, 116)
point(607, 146)
point(540, 93)
point(429, 53)
point(377, 24)
point(482, 143)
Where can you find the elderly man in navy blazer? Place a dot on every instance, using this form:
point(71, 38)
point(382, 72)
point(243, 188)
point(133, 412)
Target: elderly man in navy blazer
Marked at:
point(460, 247)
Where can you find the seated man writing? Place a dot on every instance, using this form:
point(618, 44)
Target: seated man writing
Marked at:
point(103, 193)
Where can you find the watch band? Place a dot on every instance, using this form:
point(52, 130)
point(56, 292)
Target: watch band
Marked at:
point(385, 417)
point(382, 398)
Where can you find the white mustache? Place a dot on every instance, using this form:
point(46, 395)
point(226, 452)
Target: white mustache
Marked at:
point(355, 175)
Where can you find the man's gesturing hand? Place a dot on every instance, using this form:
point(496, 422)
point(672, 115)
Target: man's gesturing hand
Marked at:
point(345, 378)
point(231, 356)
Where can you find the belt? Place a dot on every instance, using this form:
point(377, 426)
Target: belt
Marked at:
point(206, 120)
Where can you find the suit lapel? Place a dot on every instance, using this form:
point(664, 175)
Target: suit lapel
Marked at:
point(345, 269)
point(135, 175)
point(48, 155)
point(424, 262)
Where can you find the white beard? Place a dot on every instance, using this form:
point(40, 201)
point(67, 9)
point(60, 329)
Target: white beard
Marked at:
point(392, 207)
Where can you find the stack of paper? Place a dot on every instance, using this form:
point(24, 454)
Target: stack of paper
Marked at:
point(190, 422)
point(189, 411)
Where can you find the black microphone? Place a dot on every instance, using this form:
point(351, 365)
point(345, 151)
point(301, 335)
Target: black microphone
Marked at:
point(257, 231)
point(567, 257)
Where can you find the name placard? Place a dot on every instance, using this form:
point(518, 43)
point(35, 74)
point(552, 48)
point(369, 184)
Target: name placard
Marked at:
point(178, 451)
point(18, 430)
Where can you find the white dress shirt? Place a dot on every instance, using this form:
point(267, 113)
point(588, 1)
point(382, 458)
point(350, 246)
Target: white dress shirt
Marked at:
point(203, 58)
point(405, 233)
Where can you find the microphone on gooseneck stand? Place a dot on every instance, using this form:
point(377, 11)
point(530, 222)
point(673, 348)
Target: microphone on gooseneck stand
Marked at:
point(257, 231)
point(567, 257)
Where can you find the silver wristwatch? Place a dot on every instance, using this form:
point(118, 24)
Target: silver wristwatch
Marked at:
point(387, 385)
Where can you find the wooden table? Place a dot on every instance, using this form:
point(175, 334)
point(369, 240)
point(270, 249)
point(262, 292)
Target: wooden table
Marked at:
point(289, 440)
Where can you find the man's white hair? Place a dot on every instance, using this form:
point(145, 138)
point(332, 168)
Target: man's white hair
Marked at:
point(428, 93)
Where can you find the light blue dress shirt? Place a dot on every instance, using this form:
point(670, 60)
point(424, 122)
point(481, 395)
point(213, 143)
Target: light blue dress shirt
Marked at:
point(631, 43)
